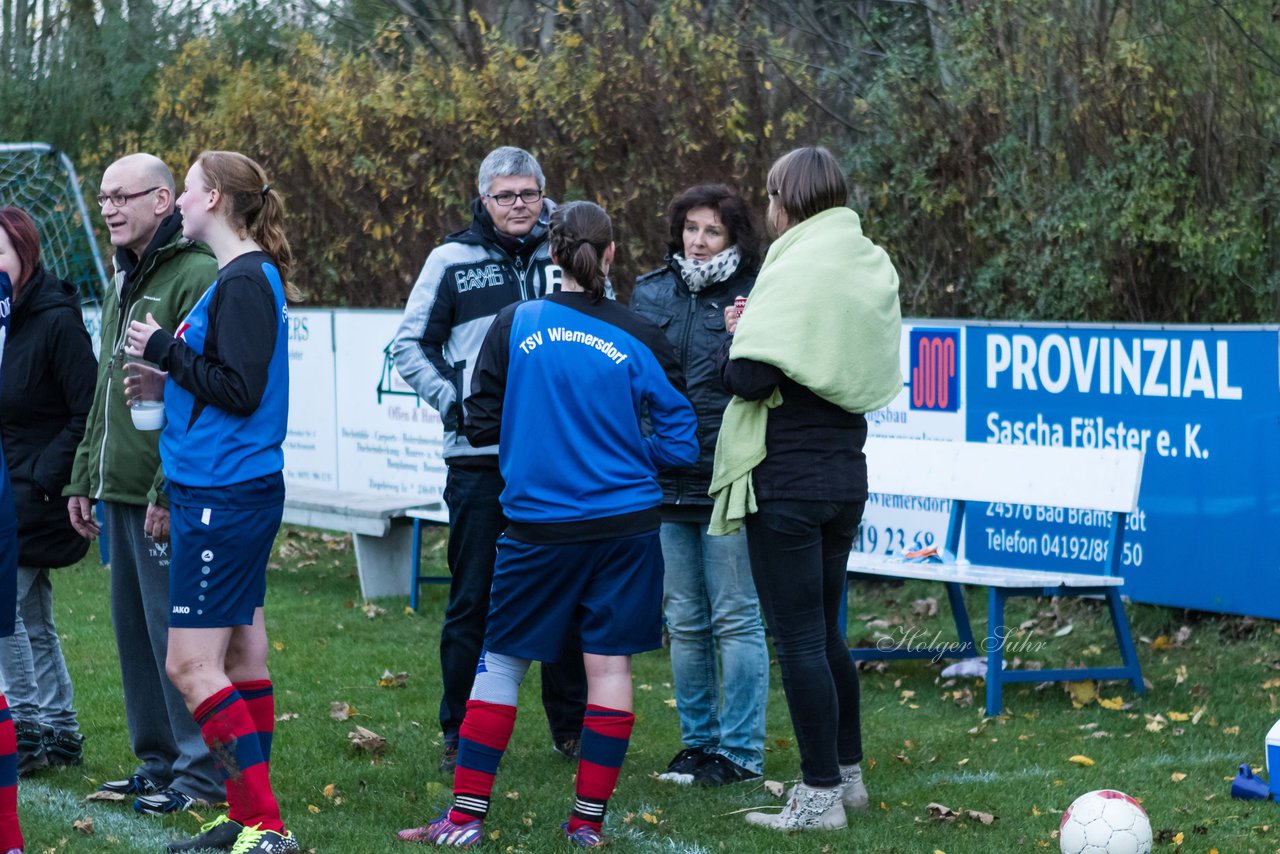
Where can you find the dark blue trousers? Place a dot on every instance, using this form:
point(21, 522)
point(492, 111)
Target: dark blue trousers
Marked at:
point(475, 521)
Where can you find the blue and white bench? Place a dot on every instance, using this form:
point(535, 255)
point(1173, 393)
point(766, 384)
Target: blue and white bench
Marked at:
point(961, 472)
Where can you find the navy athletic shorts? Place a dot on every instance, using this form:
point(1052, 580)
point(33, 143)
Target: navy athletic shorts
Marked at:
point(221, 540)
point(612, 587)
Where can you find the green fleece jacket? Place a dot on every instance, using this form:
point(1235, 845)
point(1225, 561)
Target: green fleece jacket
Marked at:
point(115, 461)
point(825, 311)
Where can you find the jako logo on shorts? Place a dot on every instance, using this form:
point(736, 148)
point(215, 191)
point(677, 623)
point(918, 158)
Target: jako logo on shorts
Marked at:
point(935, 374)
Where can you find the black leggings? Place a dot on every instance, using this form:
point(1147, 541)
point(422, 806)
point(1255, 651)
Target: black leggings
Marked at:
point(799, 551)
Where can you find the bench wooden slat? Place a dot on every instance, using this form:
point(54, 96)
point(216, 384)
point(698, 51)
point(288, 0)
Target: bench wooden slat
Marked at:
point(333, 519)
point(354, 504)
point(985, 576)
point(1082, 478)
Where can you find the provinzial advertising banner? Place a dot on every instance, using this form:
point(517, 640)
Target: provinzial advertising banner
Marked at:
point(1202, 403)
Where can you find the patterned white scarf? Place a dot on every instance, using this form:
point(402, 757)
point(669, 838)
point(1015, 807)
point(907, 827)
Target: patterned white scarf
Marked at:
point(698, 274)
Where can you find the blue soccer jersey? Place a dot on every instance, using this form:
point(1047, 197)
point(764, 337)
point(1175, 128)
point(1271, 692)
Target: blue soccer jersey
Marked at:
point(227, 397)
point(565, 386)
point(8, 518)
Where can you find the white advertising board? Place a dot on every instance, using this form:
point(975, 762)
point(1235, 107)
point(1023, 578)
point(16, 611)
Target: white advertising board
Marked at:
point(310, 446)
point(388, 440)
point(892, 524)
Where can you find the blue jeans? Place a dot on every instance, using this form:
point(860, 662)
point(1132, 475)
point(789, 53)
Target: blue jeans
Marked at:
point(799, 553)
point(33, 672)
point(475, 521)
point(709, 600)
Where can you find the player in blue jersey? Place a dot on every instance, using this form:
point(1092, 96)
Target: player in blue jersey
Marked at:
point(560, 385)
point(226, 402)
point(10, 832)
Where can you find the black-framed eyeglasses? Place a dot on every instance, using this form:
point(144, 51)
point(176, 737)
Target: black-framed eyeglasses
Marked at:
point(119, 200)
point(508, 199)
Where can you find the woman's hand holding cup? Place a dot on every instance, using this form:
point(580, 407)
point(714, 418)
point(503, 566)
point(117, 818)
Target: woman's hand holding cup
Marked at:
point(137, 336)
point(733, 313)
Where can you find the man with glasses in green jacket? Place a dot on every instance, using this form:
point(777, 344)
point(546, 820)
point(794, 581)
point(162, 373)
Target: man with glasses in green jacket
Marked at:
point(161, 273)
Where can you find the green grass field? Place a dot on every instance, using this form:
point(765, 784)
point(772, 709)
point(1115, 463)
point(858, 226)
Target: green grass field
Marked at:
point(1213, 688)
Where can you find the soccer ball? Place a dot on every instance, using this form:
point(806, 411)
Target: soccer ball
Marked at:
point(1104, 822)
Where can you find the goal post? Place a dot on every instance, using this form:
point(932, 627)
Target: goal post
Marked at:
point(42, 181)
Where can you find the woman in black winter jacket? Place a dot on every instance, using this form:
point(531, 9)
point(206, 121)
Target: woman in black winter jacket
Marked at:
point(44, 400)
point(709, 600)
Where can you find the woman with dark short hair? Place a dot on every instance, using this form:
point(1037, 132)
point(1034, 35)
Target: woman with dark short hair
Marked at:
point(44, 403)
point(816, 348)
point(709, 600)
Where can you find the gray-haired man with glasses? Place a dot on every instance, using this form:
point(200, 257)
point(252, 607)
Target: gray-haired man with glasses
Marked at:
point(500, 259)
point(157, 272)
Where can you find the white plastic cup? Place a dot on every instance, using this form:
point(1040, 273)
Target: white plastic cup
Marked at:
point(147, 414)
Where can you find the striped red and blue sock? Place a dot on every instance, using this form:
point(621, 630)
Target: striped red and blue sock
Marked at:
point(482, 739)
point(10, 831)
point(260, 697)
point(229, 731)
point(605, 736)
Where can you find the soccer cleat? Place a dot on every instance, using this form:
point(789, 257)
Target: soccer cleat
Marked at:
point(719, 770)
point(254, 841)
point(62, 747)
point(442, 831)
point(31, 756)
point(807, 809)
point(135, 785)
point(570, 748)
point(449, 759)
point(218, 835)
point(585, 836)
point(853, 792)
point(162, 802)
point(680, 769)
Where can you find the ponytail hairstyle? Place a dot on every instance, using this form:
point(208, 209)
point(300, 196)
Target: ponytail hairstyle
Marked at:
point(251, 206)
point(580, 234)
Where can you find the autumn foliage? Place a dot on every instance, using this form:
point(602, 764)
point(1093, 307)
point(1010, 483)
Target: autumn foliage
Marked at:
point(377, 151)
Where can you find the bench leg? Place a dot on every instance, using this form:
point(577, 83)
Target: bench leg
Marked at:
point(964, 631)
point(415, 564)
point(380, 561)
point(995, 651)
point(1128, 653)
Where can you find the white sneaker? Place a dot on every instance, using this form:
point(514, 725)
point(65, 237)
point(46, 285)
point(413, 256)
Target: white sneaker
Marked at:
point(853, 792)
point(806, 809)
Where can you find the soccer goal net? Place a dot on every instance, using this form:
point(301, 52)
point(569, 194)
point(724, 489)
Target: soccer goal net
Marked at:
point(42, 181)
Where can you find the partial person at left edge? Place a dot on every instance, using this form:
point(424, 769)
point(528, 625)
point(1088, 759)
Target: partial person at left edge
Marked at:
point(11, 841)
point(43, 406)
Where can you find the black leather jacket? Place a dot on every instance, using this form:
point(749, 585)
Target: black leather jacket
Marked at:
point(694, 324)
